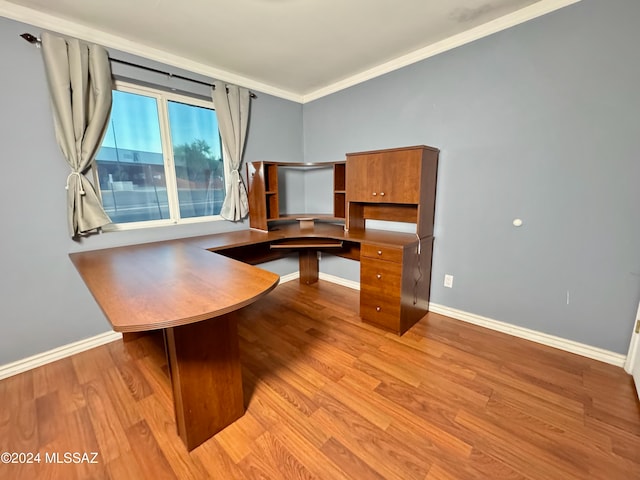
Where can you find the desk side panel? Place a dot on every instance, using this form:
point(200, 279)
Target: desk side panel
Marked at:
point(206, 377)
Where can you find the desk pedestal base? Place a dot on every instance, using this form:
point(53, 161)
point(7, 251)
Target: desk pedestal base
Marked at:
point(206, 377)
point(309, 265)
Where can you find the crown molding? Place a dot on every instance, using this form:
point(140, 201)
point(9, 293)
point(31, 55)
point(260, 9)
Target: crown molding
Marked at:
point(528, 13)
point(89, 34)
point(66, 27)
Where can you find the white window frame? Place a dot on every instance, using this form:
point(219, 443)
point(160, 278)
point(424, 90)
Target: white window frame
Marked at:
point(162, 98)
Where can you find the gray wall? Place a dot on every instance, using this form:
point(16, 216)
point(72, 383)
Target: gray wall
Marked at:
point(44, 303)
point(538, 122)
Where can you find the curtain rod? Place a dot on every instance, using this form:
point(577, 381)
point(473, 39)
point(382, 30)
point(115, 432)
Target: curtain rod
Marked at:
point(32, 39)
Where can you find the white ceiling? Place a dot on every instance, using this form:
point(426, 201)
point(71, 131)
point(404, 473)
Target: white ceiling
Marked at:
point(296, 49)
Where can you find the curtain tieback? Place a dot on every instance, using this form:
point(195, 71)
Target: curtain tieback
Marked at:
point(82, 192)
point(235, 175)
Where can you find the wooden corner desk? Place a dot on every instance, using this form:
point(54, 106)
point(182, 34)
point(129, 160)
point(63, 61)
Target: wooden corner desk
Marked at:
point(190, 288)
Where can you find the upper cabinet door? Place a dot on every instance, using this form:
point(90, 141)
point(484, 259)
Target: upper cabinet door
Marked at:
point(390, 176)
point(359, 179)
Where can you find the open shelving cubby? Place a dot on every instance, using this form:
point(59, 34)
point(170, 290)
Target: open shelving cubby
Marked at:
point(265, 196)
point(339, 190)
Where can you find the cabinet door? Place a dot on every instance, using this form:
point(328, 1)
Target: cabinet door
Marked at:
point(359, 185)
point(385, 177)
point(398, 177)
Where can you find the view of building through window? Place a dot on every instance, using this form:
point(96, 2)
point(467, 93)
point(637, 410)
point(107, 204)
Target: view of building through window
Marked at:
point(138, 182)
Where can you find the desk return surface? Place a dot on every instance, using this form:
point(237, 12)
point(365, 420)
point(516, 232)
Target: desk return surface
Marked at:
point(168, 284)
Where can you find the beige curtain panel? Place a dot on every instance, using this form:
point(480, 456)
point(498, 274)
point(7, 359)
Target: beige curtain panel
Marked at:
point(79, 79)
point(232, 105)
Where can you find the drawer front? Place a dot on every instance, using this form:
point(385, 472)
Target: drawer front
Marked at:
point(381, 277)
point(380, 310)
point(390, 254)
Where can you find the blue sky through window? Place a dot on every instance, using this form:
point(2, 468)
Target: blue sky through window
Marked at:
point(189, 123)
point(134, 124)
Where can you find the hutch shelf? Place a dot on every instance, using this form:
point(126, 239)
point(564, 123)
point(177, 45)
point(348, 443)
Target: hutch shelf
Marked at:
point(265, 206)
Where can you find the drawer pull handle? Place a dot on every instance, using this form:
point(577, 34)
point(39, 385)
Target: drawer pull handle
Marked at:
point(382, 194)
point(378, 309)
point(379, 252)
point(374, 194)
point(378, 276)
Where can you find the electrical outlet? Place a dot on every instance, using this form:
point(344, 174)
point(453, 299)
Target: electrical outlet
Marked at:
point(448, 281)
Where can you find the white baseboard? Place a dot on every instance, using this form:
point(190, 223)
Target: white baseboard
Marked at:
point(40, 359)
point(582, 349)
point(323, 276)
point(340, 281)
point(289, 277)
point(588, 351)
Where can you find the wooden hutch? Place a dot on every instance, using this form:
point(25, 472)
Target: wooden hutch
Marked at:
point(392, 185)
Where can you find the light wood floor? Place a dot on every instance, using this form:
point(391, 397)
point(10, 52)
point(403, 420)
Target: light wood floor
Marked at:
point(330, 398)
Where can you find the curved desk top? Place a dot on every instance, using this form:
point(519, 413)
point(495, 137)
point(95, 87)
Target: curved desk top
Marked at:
point(168, 284)
point(239, 238)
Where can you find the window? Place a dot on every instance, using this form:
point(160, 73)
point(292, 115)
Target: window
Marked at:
point(161, 159)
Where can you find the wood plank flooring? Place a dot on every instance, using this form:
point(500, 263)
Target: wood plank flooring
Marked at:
point(331, 398)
